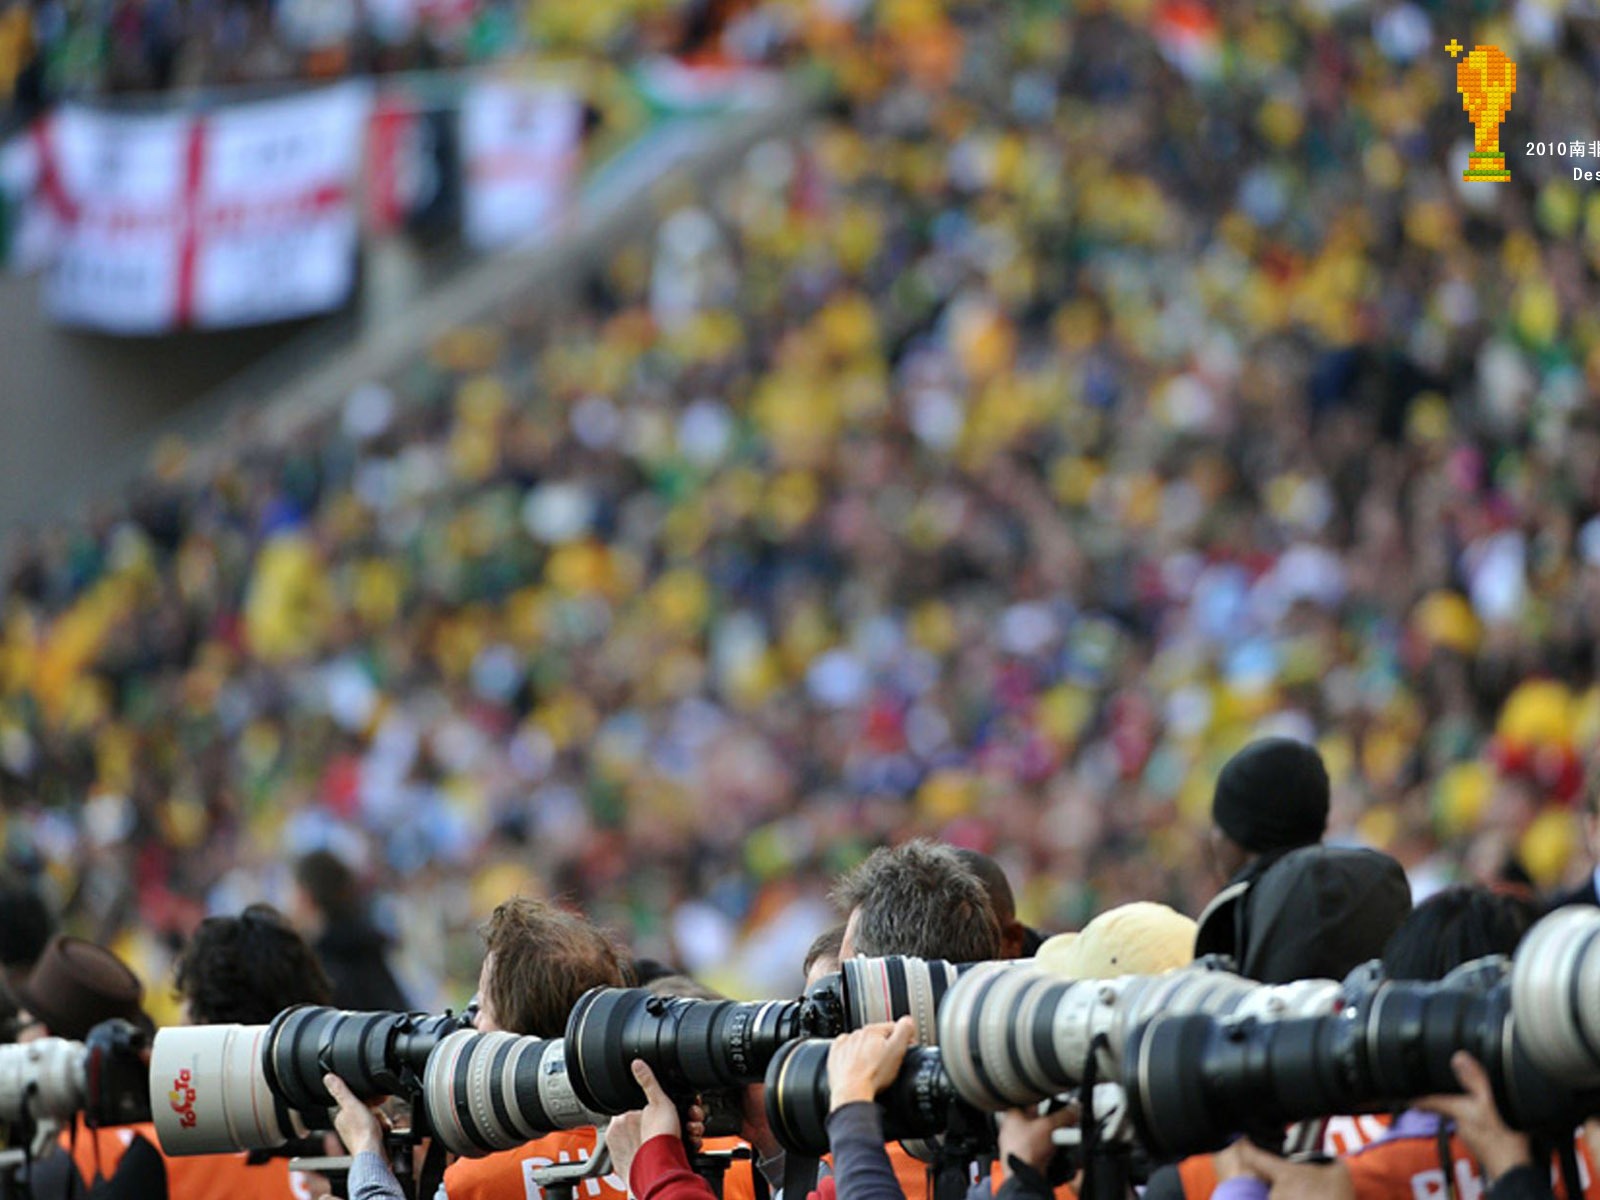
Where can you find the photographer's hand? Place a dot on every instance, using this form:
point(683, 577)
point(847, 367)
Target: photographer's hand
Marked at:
point(1289, 1180)
point(627, 1132)
point(1497, 1146)
point(755, 1129)
point(861, 1064)
point(1026, 1136)
point(358, 1127)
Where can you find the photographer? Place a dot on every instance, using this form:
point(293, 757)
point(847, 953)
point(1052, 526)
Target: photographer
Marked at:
point(243, 969)
point(1318, 912)
point(1270, 798)
point(1016, 939)
point(766, 1154)
point(647, 1145)
point(1421, 1154)
point(918, 899)
point(538, 959)
point(822, 956)
point(73, 986)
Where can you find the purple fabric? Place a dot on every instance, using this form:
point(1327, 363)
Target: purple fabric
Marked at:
point(1241, 1187)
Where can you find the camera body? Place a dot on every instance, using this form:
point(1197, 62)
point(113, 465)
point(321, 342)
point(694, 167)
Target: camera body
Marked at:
point(46, 1084)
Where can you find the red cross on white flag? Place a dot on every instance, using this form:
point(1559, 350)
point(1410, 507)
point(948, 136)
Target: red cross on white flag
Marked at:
point(239, 216)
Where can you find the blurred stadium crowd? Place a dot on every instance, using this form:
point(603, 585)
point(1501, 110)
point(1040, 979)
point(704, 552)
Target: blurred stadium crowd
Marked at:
point(55, 49)
point(1069, 401)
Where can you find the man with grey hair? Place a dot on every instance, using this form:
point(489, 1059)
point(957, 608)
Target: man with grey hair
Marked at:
point(919, 899)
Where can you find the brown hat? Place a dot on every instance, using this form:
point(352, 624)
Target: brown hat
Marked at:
point(76, 984)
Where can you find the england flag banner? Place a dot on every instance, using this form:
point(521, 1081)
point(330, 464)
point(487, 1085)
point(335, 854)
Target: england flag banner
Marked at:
point(521, 147)
point(236, 216)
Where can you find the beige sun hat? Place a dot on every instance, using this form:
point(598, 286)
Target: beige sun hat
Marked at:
point(1141, 938)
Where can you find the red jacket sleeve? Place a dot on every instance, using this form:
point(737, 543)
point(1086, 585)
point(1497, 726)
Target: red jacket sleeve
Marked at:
point(661, 1172)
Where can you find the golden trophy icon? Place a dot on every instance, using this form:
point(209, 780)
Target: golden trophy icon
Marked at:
point(1487, 80)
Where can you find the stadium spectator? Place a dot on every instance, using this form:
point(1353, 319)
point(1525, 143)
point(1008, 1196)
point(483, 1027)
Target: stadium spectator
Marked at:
point(333, 915)
point(1587, 892)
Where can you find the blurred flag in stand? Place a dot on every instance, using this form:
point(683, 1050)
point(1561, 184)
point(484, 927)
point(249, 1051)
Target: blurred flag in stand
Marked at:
point(521, 146)
point(235, 216)
point(413, 169)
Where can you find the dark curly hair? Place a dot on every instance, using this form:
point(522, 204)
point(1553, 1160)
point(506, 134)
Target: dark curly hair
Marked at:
point(247, 969)
point(1453, 927)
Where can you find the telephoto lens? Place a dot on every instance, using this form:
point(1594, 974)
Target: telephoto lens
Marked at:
point(1193, 1082)
point(916, 1105)
point(377, 1054)
point(223, 1088)
point(691, 1045)
point(1555, 993)
point(702, 1046)
point(495, 1091)
point(1016, 1035)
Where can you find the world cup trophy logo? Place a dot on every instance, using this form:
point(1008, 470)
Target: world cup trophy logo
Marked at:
point(1487, 80)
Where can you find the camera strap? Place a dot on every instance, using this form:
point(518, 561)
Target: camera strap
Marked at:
point(1102, 1177)
point(431, 1178)
point(1568, 1154)
point(1447, 1163)
point(799, 1176)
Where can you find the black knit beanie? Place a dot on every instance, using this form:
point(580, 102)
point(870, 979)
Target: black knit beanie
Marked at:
point(1272, 795)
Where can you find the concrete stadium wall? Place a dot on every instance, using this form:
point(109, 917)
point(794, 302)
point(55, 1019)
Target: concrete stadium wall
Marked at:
point(75, 406)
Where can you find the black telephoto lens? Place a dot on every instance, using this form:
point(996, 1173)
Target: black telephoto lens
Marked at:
point(916, 1105)
point(1193, 1081)
point(376, 1054)
point(692, 1045)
